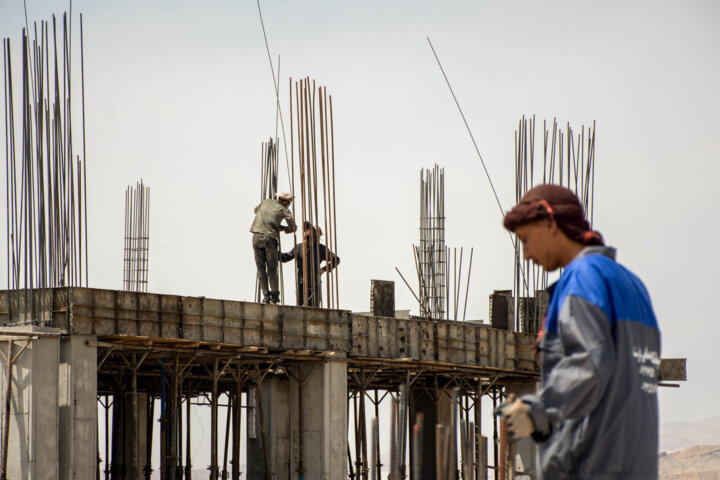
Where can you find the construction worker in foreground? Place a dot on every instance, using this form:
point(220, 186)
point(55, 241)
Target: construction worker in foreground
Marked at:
point(315, 253)
point(596, 414)
point(266, 241)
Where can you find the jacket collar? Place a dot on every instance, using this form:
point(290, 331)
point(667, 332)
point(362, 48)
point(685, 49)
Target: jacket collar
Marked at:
point(609, 252)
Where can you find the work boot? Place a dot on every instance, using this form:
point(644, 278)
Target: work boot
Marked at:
point(275, 297)
point(267, 297)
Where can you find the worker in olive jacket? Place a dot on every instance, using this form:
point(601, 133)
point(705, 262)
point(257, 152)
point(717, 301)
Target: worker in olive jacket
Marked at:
point(266, 230)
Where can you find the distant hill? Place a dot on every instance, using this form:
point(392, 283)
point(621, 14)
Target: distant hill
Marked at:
point(681, 435)
point(701, 462)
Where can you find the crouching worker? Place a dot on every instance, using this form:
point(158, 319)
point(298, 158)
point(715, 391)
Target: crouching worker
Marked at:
point(266, 242)
point(596, 414)
point(311, 253)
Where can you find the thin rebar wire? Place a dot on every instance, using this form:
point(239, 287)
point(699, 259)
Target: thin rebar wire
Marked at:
point(82, 83)
point(477, 150)
point(472, 137)
point(276, 82)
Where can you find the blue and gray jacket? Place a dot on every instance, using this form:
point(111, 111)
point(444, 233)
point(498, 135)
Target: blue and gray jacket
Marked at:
point(596, 415)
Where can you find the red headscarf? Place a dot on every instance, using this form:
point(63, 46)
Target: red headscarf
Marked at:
point(553, 202)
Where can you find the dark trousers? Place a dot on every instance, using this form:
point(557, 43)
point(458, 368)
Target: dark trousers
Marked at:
point(266, 261)
point(314, 292)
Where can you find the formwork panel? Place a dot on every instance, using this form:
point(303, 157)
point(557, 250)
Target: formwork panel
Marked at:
point(97, 307)
point(317, 332)
point(83, 312)
point(387, 337)
point(148, 315)
point(498, 345)
point(525, 352)
point(401, 337)
point(483, 347)
point(442, 343)
point(470, 338)
point(233, 322)
point(60, 309)
point(192, 321)
point(212, 320)
point(456, 344)
point(364, 335)
point(127, 322)
point(293, 322)
point(270, 331)
point(510, 352)
point(252, 327)
point(339, 322)
point(170, 325)
point(427, 331)
point(359, 339)
point(413, 341)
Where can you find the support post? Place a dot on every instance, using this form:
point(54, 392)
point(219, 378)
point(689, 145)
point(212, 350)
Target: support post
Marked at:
point(213, 423)
point(188, 437)
point(237, 417)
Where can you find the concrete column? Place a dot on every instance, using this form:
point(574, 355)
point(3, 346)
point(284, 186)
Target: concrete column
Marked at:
point(333, 379)
point(324, 429)
point(77, 403)
point(33, 421)
point(276, 413)
point(141, 437)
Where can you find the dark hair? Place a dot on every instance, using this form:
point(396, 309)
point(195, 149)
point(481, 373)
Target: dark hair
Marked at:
point(556, 203)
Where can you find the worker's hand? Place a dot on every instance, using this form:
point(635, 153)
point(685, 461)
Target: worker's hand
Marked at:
point(289, 229)
point(516, 414)
point(323, 270)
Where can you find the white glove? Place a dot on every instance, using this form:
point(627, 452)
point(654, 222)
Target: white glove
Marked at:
point(516, 415)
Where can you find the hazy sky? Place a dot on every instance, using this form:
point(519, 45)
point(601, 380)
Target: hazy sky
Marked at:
point(181, 94)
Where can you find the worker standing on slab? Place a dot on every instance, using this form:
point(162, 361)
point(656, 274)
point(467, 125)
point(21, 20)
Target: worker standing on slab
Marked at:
point(266, 241)
point(308, 257)
point(596, 414)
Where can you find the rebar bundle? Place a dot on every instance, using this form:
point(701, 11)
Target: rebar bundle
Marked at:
point(269, 169)
point(432, 254)
point(568, 159)
point(137, 238)
point(440, 280)
point(46, 182)
point(314, 146)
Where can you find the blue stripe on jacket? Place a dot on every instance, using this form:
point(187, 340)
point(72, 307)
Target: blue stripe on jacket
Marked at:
point(599, 280)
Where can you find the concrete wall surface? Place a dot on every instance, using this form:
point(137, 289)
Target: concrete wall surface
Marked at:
point(77, 407)
point(33, 421)
point(53, 403)
point(323, 436)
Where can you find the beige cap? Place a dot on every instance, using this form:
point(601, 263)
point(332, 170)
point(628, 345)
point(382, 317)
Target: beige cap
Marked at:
point(284, 196)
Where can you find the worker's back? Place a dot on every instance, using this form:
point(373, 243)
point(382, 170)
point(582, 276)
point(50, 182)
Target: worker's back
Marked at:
point(268, 216)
